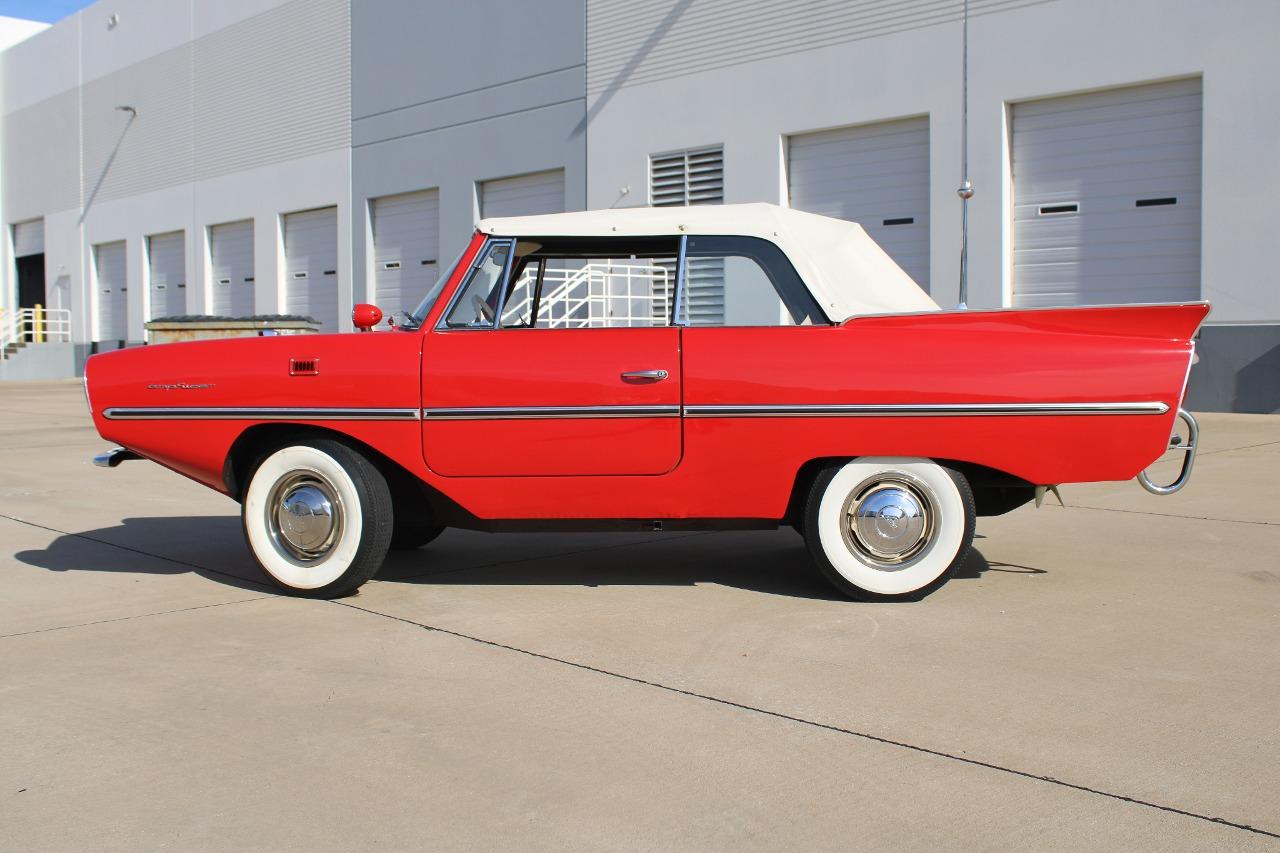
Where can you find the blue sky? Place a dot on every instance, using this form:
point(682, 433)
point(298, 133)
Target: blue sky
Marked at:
point(41, 10)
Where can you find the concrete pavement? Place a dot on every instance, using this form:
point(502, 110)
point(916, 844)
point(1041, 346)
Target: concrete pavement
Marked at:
point(1105, 675)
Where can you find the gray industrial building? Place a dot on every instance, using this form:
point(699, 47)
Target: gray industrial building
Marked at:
point(264, 156)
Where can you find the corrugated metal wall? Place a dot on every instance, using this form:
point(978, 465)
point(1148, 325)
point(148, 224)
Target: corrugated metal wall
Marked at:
point(270, 88)
point(638, 41)
point(41, 146)
point(124, 155)
point(273, 87)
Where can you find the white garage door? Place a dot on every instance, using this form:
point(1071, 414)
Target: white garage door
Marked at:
point(311, 265)
point(231, 261)
point(1107, 197)
point(113, 297)
point(406, 238)
point(523, 195)
point(167, 267)
point(28, 238)
point(874, 174)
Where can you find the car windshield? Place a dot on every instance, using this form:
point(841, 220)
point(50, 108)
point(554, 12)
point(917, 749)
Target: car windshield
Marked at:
point(420, 313)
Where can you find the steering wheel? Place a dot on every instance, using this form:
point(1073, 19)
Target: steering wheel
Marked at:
point(483, 311)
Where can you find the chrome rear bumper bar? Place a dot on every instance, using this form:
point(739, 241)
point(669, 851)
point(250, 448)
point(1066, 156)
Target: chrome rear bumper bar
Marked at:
point(1188, 448)
point(114, 457)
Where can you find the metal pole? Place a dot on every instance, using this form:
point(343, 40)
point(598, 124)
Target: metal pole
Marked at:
point(966, 186)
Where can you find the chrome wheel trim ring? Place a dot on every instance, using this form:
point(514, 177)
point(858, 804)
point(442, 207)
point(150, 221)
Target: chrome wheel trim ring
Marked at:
point(888, 521)
point(304, 516)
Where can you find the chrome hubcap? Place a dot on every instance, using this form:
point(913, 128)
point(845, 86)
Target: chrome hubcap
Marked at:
point(888, 521)
point(305, 515)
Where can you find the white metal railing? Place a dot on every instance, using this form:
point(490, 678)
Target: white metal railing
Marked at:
point(33, 325)
point(612, 293)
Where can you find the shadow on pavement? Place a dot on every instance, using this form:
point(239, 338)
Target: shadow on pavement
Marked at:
point(773, 562)
point(209, 546)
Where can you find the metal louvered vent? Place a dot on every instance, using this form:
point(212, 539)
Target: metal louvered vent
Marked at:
point(304, 367)
point(695, 176)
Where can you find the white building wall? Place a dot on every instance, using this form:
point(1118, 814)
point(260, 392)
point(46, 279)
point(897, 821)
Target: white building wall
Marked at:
point(242, 111)
point(264, 195)
point(643, 99)
point(14, 30)
point(245, 111)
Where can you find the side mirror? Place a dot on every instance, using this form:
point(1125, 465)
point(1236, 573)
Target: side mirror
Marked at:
point(365, 316)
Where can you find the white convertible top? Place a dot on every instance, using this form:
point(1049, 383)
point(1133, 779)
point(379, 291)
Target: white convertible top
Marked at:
point(847, 272)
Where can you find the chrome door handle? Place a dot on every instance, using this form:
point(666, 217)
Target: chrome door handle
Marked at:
point(644, 375)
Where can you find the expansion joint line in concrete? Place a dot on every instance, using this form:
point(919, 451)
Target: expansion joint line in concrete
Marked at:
point(973, 762)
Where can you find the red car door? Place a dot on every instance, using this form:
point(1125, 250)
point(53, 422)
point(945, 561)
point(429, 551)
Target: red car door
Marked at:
point(545, 401)
point(525, 402)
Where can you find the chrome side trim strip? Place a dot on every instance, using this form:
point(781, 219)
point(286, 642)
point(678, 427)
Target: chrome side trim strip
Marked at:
point(857, 410)
point(235, 413)
point(491, 413)
point(840, 410)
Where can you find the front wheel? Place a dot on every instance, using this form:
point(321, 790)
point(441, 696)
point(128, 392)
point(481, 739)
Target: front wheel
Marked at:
point(889, 528)
point(318, 518)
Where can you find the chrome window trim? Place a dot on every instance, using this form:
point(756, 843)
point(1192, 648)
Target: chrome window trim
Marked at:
point(678, 302)
point(235, 413)
point(442, 325)
point(507, 269)
point(872, 410)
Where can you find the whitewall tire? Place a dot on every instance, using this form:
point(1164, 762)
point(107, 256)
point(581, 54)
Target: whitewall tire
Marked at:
point(318, 518)
point(887, 528)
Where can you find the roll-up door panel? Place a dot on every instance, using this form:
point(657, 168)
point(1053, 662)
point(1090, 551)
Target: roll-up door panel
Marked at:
point(167, 269)
point(311, 265)
point(523, 195)
point(1107, 196)
point(28, 238)
point(876, 175)
point(112, 297)
point(406, 232)
point(231, 263)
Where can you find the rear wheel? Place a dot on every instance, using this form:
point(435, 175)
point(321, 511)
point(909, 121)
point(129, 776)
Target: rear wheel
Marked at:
point(318, 518)
point(889, 528)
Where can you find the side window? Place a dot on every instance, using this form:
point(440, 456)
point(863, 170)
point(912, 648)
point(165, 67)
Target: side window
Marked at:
point(578, 288)
point(743, 281)
point(477, 304)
